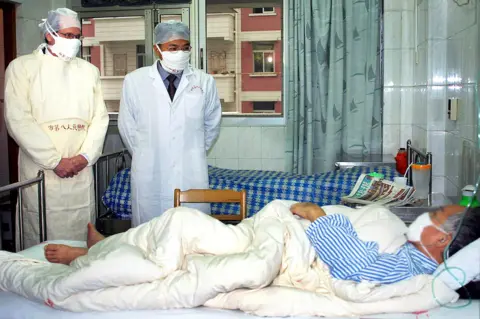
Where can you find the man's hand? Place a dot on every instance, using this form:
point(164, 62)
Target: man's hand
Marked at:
point(308, 211)
point(79, 163)
point(65, 168)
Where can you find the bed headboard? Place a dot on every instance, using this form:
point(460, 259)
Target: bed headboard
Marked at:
point(413, 154)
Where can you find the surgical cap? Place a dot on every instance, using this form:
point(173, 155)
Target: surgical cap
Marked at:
point(59, 19)
point(170, 31)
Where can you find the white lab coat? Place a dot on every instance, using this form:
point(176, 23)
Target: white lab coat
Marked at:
point(54, 110)
point(168, 140)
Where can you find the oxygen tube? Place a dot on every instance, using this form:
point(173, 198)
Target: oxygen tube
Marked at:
point(461, 281)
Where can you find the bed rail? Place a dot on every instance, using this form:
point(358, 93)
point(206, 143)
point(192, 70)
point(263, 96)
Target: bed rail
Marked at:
point(42, 215)
point(413, 154)
point(104, 170)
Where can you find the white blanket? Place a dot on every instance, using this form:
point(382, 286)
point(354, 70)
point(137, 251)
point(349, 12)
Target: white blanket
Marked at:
point(265, 266)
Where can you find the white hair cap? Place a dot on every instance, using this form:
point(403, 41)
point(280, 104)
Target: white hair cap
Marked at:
point(59, 19)
point(170, 31)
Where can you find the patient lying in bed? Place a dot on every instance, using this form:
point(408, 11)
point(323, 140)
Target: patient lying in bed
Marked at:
point(338, 245)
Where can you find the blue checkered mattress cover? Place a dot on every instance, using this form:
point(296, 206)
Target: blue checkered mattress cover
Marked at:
point(262, 187)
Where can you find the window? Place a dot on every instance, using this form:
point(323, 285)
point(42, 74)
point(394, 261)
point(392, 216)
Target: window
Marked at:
point(263, 58)
point(263, 107)
point(87, 54)
point(241, 56)
point(140, 56)
point(265, 10)
point(119, 64)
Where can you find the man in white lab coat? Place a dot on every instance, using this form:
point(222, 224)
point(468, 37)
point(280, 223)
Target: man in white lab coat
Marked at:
point(169, 117)
point(54, 110)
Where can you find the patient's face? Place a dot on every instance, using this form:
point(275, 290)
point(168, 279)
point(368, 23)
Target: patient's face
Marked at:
point(432, 235)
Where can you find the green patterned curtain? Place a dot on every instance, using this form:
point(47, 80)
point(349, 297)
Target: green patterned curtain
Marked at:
point(333, 99)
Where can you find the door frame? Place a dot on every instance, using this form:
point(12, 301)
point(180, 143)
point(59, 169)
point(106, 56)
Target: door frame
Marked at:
point(9, 36)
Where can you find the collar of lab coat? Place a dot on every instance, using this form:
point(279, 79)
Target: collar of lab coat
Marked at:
point(158, 82)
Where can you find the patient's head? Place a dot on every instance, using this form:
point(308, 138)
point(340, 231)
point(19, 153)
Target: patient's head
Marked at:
point(432, 232)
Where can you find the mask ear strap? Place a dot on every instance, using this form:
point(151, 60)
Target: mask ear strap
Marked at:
point(50, 30)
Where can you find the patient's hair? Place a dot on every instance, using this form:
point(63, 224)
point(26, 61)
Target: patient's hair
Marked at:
point(468, 232)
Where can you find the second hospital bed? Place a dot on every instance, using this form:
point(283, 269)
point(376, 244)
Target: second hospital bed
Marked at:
point(113, 192)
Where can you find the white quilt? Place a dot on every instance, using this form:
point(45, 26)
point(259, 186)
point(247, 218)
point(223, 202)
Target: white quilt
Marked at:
point(264, 266)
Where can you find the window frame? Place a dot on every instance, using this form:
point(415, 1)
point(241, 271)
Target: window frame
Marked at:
point(264, 111)
point(263, 13)
point(87, 57)
point(142, 55)
point(263, 61)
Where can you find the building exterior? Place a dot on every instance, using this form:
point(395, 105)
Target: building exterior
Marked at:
point(244, 54)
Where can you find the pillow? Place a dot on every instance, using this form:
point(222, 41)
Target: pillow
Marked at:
point(467, 260)
point(37, 252)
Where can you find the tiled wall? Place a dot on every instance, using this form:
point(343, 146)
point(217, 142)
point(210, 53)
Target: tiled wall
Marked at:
point(249, 148)
point(428, 61)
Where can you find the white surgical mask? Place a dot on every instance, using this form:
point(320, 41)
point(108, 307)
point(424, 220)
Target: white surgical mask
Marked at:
point(65, 49)
point(174, 62)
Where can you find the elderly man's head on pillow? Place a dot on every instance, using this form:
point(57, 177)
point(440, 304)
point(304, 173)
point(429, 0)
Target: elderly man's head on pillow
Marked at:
point(433, 231)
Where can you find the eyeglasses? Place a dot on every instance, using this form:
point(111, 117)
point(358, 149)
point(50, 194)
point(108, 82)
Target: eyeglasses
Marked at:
point(175, 49)
point(71, 36)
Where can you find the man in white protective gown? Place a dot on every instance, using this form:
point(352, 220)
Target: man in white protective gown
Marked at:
point(169, 117)
point(54, 110)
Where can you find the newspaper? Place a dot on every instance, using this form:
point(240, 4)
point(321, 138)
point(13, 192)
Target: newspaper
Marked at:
point(369, 190)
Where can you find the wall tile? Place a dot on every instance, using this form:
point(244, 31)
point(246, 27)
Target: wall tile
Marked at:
point(391, 138)
point(419, 137)
point(393, 30)
point(437, 108)
point(436, 145)
point(255, 164)
point(408, 30)
point(407, 105)
point(392, 67)
point(250, 142)
point(226, 147)
point(453, 152)
point(438, 184)
point(408, 67)
point(420, 68)
point(273, 142)
point(459, 17)
point(227, 163)
point(437, 62)
point(391, 105)
point(406, 133)
point(273, 164)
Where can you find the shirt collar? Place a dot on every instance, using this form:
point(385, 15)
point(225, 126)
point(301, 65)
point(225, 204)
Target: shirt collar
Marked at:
point(164, 74)
point(421, 261)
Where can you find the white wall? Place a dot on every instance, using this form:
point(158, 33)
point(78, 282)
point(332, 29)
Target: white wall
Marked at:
point(421, 76)
point(249, 148)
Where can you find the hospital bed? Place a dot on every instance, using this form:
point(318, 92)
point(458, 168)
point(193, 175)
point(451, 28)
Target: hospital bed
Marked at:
point(113, 186)
point(13, 306)
point(113, 204)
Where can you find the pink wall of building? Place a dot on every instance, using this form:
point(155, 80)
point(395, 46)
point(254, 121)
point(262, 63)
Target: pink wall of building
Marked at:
point(261, 22)
point(271, 83)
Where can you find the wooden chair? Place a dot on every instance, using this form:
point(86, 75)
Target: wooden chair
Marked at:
point(214, 196)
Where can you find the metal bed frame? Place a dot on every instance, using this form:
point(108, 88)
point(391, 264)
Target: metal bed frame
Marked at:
point(413, 154)
point(104, 170)
point(42, 216)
